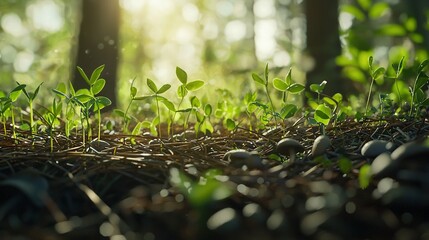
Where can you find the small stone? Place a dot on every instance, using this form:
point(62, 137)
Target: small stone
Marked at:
point(239, 157)
point(225, 220)
point(320, 145)
point(383, 166)
point(374, 148)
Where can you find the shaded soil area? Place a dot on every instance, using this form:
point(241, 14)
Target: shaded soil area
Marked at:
point(125, 191)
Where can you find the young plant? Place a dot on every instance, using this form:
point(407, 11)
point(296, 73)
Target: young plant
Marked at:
point(287, 86)
point(96, 84)
point(50, 118)
point(12, 97)
point(375, 74)
point(418, 95)
point(126, 117)
point(30, 98)
point(203, 120)
point(156, 94)
point(264, 82)
point(398, 72)
point(185, 87)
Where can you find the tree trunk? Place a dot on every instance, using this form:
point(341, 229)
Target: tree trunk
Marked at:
point(98, 43)
point(323, 45)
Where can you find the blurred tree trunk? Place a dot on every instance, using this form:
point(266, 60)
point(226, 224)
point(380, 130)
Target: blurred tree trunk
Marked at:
point(323, 45)
point(98, 43)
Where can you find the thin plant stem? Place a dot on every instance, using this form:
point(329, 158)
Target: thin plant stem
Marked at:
point(369, 96)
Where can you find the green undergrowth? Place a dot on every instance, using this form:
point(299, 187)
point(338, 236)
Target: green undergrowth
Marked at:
point(78, 111)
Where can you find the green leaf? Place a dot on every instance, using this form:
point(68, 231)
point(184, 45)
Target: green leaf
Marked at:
point(354, 11)
point(365, 4)
point(423, 65)
point(167, 103)
point(400, 67)
point(378, 9)
point(394, 30)
point(345, 165)
point(133, 91)
point(36, 92)
point(96, 74)
point(295, 88)
point(370, 61)
point(288, 78)
point(119, 112)
point(181, 75)
point(194, 85)
point(16, 92)
point(323, 114)
point(200, 117)
point(208, 109)
point(266, 74)
point(421, 81)
point(83, 74)
point(279, 84)
point(288, 111)
point(83, 98)
point(318, 88)
point(195, 102)
point(163, 89)
point(142, 98)
point(102, 102)
point(410, 24)
point(182, 91)
point(25, 127)
point(230, 124)
point(152, 86)
point(365, 176)
point(156, 121)
point(378, 72)
point(137, 129)
point(98, 86)
point(258, 79)
point(60, 93)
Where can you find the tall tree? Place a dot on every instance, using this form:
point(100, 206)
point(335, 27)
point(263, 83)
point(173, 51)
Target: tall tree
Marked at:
point(98, 43)
point(323, 45)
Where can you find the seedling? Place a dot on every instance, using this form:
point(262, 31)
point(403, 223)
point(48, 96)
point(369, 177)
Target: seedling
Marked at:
point(287, 86)
point(30, 98)
point(264, 82)
point(418, 96)
point(50, 118)
point(375, 74)
point(13, 96)
point(126, 118)
point(185, 87)
point(96, 84)
point(156, 94)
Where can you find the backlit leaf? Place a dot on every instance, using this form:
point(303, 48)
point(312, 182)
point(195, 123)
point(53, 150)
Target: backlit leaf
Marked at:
point(152, 86)
point(98, 86)
point(279, 84)
point(163, 88)
point(323, 114)
point(194, 85)
point(364, 176)
point(96, 74)
point(258, 79)
point(295, 88)
point(181, 75)
point(288, 111)
point(83, 74)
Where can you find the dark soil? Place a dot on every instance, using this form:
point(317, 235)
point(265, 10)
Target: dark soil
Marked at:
point(124, 191)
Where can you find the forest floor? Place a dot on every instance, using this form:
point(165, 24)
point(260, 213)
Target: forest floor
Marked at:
point(159, 188)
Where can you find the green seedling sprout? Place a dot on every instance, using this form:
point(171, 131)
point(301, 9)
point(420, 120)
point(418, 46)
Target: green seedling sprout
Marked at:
point(124, 114)
point(264, 82)
point(50, 118)
point(203, 120)
point(156, 94)
point(96, 84)
point(287, 86)
point(185, 87)
point(397, 74)
point(5, 104)
point(30, 98)
point(375, 74)
point(418, 96)
point(13, 96)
